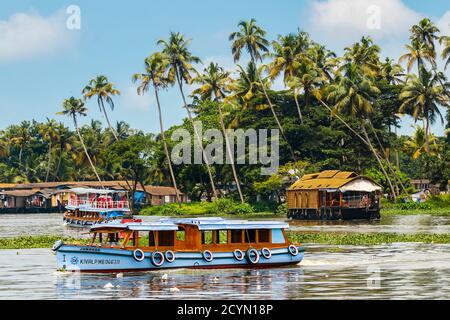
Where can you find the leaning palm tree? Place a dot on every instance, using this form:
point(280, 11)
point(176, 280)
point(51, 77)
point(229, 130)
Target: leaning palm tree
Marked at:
point(215, 81)
point(73, 108)
point(179, 70)
point(155, 67)
point(445, 42)
point(421, 97)
point(104, 90)
point(251, 38)
point(352, 94)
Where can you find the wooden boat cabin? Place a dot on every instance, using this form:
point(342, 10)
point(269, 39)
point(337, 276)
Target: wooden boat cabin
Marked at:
point(334, 194)
point(88, 206)
point(182, 243)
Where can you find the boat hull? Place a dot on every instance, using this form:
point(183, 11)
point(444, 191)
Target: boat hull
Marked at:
point(96, 259)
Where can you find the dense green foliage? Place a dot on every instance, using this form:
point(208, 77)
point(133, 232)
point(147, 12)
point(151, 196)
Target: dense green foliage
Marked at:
point(333, 113)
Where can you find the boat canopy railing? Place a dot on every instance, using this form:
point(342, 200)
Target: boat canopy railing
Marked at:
point(99, 204)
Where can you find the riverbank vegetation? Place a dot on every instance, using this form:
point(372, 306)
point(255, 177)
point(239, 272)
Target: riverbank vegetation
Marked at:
point(435, 205)
point(331, 238)
point(332, 112)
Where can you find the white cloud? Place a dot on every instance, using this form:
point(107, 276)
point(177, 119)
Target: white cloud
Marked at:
point(132, 101)
point(29, 35)
point(342, 22)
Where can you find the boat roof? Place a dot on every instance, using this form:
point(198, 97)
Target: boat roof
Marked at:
point(92, 190)
point(135, 226)
point(223, 224)
point(204, 224)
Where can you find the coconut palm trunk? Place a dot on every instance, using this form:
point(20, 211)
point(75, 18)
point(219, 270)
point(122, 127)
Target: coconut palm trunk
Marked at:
point(372, 149)
point(166, 150)
point(107, 120)
point(367, 142)
point(85, 150)
point(300, 116)
point(269, 101)
point(49, 161)
point(197, 135)
point(230, 152)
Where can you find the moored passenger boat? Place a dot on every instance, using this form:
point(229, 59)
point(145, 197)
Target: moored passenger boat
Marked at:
point(87, 207)
point(180, 243)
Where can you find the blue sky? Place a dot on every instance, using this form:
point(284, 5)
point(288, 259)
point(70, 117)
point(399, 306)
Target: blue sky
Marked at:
point(42, 62)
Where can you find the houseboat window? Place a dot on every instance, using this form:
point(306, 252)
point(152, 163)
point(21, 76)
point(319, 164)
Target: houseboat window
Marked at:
point(222, 236)
point(151, 239)
point(166, 238)
point(277, 236)
point(181, 235)
point(250, 235)
point(263, 235)
point(236, 236)
point(207, 237)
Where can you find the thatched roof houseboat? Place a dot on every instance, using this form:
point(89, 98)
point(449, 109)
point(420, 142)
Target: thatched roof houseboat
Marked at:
point(334, 194)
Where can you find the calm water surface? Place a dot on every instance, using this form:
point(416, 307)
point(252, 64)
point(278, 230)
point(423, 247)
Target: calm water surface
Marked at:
point(12, 225)
point(397, 271)
point(393, 271)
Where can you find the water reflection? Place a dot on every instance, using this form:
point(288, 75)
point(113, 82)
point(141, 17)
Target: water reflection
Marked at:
point(406, 270)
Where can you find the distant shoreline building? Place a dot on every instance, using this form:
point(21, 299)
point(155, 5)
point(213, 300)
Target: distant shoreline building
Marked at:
point(53, 196)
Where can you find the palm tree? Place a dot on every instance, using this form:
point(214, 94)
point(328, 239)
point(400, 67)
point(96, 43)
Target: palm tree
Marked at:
point(416, 144)
point(418, 52)
point(391, 72)
point(309, 80)
point(324, 59)
point(65, 144)
point(104, 90)
point(425, 32)
point(364, 54)
point(216, 82)
point(49, 134)
point(421, 97)
point(155, 67)
point(21, 138)
point(72, 108)
point(287, 56)
point(352, 94)
point(445, 42)
point(250, 37)
point(4, 147)
point(179, 70)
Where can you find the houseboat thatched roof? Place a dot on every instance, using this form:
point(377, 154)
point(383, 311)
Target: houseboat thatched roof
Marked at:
point(335, 179)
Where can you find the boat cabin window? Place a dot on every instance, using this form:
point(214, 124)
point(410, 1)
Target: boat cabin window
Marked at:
point(236, 236)
point(264, 235)
point(207, 237)
point(277, 236)
point(222, 237)
point(181, 234)
point(250, 235)
point(151, 239)
point(166, 238)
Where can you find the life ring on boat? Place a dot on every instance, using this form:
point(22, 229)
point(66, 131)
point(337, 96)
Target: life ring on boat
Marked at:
point(57, 245)
point(238, 255)
point(293, 250)
point(252, 252)
point(170, 256)
point(265, 252)
point(138, 255)
point(157, 262)
point(208, 256)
